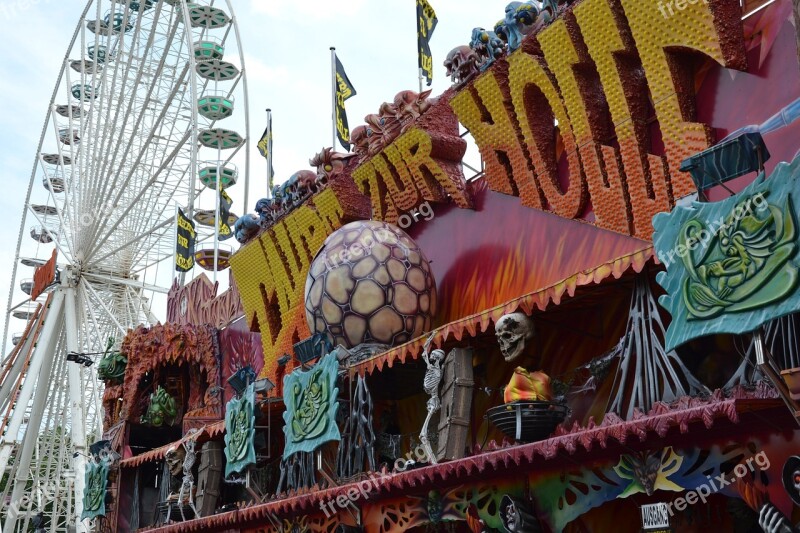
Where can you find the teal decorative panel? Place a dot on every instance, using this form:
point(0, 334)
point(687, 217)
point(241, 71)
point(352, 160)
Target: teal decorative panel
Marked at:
point(310, 399)
point(94, 492)
point(731, 265)
point(240, 430)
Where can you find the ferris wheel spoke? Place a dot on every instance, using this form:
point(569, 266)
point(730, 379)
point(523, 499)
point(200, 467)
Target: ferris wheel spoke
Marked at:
point(126, 283)
point(132, 242)
point(113, 140)
point(156, 76)
point(108, 313)
point(123, 187)
point(152, 180)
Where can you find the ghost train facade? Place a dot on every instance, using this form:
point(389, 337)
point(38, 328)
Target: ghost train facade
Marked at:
point(599, 325)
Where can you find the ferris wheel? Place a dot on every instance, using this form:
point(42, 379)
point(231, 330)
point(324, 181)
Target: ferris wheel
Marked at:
point(138, 126)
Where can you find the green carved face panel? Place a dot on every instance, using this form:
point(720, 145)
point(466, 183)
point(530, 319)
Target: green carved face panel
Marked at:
point(240, 421)
point(310, 398)
point(731, 265)
point(94, 492)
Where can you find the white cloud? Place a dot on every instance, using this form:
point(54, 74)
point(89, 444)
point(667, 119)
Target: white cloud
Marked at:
point(308, 11)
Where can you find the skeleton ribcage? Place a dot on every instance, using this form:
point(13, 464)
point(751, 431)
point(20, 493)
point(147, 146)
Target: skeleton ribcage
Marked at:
point(432, 379)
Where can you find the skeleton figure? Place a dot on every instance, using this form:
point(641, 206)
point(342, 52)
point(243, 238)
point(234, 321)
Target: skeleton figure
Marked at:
point(513, 333)
point(187, 485)
point(433, 378)
point(461, 64)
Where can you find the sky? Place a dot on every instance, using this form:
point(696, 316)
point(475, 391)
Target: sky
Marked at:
point(285, 45)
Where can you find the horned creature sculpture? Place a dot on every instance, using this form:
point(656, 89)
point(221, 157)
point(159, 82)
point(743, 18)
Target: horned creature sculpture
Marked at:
point(433, 378)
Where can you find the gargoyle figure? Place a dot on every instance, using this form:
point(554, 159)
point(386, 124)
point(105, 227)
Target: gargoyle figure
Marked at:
point(409, 106)
point(487, 46)
point(391, 122)
point(461, 64)
point(279, 202)
point(360, 141)
point(268, 210)
point(246, 227)
point(521, 18)
point(289, 192)
point(306, 185)
point(550, 9)
point(375, 133)
point(163, 409)
point(330, 164)
point(112, 365)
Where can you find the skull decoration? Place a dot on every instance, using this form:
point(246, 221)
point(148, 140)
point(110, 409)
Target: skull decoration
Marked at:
point(513, 332)
point(306, 185)
point(174, 458)
point(461, 64)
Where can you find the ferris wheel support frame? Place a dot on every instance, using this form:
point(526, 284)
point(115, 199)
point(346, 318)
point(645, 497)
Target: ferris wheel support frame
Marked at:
point(39, 371)
point(76, 399)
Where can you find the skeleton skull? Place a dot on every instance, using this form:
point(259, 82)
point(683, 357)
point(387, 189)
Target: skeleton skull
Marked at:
point(512, 520)
point(174, 458)
point(513, 332)
point(461, 64)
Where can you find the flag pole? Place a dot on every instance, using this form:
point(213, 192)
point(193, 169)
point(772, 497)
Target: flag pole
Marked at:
point(333, 101)
point(421, 75)
point(270, 177)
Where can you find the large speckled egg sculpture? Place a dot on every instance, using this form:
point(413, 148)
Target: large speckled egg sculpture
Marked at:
point(370, 283)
